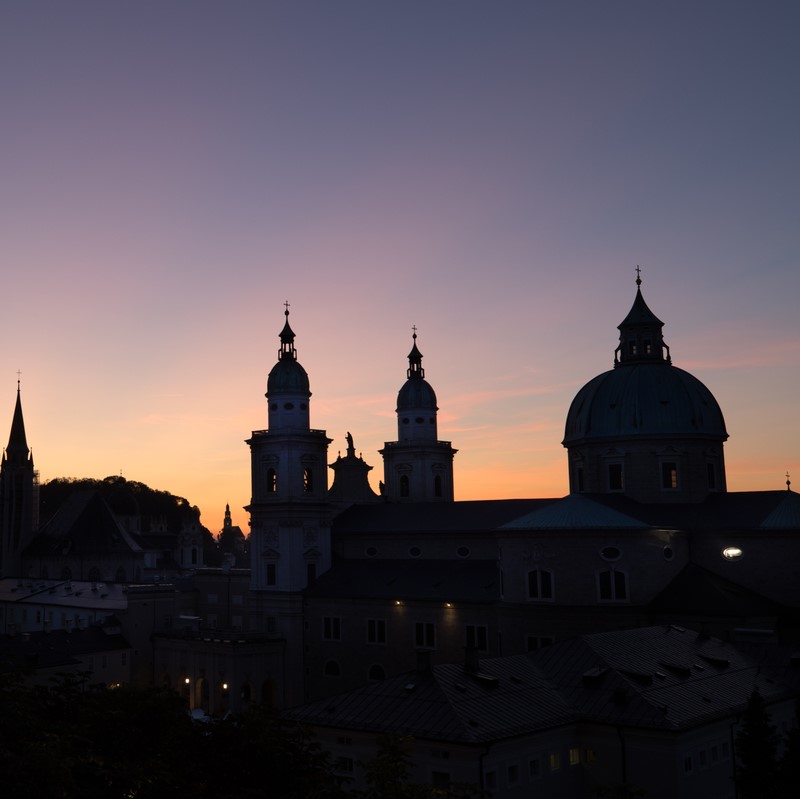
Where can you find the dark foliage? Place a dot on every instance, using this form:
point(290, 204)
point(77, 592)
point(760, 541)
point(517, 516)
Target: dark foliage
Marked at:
point(756, 752)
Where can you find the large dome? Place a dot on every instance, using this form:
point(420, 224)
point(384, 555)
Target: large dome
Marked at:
point(644, 399)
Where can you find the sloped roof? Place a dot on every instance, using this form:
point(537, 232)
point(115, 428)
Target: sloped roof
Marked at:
point(575, 511)
point(695, 587)
point(84, 523)
point(655, 677)
point(436, 580)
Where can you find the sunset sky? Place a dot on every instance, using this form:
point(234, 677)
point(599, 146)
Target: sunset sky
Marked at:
point(491, 172)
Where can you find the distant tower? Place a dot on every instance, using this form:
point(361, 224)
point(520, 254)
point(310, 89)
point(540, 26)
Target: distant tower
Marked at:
point(417, 467)
point(19, 495)
point(645, 429)
point(290, 528)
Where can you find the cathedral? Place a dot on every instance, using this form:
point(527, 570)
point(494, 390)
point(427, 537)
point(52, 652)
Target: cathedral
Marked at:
point(348, 587)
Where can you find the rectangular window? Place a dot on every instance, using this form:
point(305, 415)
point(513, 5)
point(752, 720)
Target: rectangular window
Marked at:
point(589, 757)
point(331, 628)
point(612, 586)
point(376, 631)
point(712, 476)
point(579, 477)
point(574, 756)
point(534, 769)
point(512, 774)
point(425, 634)
point(478, 637)
point(490, 780)
point(715, 754)
point(702, 758)
point(272, 574)
point(615, 477)
point(688, 765)
point(555, 761)
point(669, 476)
point(540, 584)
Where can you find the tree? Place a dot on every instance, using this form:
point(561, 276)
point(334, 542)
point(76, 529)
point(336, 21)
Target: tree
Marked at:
point(756, 752)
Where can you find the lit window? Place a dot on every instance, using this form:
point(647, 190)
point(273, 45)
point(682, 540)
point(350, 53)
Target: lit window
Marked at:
point(574, 756)
point(732, 553)
point(555, 761)
point(308, 481)
point(669, 476)
point(272, 481)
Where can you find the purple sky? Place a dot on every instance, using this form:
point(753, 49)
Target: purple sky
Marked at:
point(491, 172)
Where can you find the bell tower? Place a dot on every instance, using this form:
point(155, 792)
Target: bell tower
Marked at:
point(290, 528)
point(417, 467)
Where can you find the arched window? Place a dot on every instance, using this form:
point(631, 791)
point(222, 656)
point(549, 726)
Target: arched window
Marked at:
point(194, 556)
point(540, 584)
point(437, 486)
point(308, 481)
point(376, 673)
point(612, 586)
point(332, 669)
point(404, 486)
point(272, 481)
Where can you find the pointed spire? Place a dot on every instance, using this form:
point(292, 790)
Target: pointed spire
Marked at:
point(17, 451)
point(415, 359)
point(640, 334)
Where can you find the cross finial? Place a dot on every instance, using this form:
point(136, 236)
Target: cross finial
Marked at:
point(788, 482)
point(414, 329)
point(286, 305)
point(638, 276)
point(18, 378)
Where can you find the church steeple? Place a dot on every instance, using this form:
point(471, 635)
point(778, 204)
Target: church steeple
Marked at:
point(19, 501)
point(640, 334)
point(287, 386)
point(415, 369)
point(17, 452)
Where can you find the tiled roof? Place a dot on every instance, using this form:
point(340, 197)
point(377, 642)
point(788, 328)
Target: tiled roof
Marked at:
point(656, 677)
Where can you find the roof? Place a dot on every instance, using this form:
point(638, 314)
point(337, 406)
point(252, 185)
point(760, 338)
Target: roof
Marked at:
point(435, 580)
point(439, 517)
point(644, 400)
point(575, 511)
point(84, 523)
point(662, 677)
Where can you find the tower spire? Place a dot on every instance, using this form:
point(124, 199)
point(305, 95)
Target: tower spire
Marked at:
point(641, 339)
point(17, 451)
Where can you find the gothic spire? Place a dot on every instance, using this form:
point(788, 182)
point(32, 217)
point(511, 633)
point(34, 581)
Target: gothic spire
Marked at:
point(17, 451)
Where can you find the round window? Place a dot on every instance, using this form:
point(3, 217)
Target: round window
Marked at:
point(371, 552)
point(610, 553)
point(669, 553)
point(463, 552)
point(415, 552)
point(288, 406)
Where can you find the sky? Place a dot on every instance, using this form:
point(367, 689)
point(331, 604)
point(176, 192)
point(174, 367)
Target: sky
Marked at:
point(173, 171)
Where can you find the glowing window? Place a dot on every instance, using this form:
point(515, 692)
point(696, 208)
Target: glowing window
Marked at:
point(732, 553)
